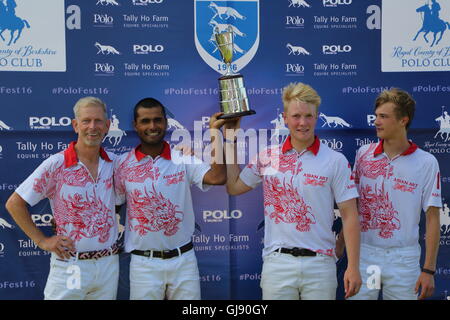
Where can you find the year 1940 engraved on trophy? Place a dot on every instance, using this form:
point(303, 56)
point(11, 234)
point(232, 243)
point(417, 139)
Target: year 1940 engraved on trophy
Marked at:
point(233, 96)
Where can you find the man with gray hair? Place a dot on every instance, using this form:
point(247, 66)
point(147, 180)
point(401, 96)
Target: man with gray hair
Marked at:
point(79, 185)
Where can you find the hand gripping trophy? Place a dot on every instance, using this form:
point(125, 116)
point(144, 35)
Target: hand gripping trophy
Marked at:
point(233, 96)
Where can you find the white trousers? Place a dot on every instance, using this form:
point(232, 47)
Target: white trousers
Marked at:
point(285, 277)
point(394, 271)
point(177, 278)
point(94, 279)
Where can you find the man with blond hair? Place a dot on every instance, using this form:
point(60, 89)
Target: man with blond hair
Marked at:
point(301, 182)
point(396, 181)
point(79, 184)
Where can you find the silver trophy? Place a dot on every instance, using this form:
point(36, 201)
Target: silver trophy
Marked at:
point(233, 96)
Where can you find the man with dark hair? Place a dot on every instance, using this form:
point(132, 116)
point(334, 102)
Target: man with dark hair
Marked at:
point(79, 185)
point(155, 183)
point(396, 180)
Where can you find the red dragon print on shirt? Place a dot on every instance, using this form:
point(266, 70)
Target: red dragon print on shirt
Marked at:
point(289, 206)
point(372, 168)
point(86, 217)
point(153, 212)
point(47, 183)
point(377, 212)
point(273, 158)
point(137, 173)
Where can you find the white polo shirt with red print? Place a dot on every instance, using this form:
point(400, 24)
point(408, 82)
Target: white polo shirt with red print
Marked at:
point(393, 193)
point(84, 209)
point(299, 193)
point(160, 214)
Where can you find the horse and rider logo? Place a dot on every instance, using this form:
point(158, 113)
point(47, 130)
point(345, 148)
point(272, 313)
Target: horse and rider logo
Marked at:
point(444, 123)
point(445, 218)
point(11, 22)
point(115, 134)
point(280, 132)
point(431, 22)
point(420, 42)
point(216, 16)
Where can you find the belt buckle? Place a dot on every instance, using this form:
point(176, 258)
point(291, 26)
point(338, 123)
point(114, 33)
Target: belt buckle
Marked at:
point(296, 252)
point(165, 254)
point(147, 253)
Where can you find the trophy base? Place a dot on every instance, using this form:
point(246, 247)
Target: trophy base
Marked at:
point(236, 114)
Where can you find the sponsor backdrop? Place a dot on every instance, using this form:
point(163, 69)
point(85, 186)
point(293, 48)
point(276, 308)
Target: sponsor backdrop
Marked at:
point(52, 52)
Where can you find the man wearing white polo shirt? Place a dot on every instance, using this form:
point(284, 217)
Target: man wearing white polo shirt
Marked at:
point(396, 181)
point(301, 180)
point(79, 185)
point(155, 182)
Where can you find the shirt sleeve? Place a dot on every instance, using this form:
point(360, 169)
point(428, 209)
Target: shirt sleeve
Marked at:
point(196, 170)
point(41, 183)
point(355, 174)
point(431, 193)
point(343, 184)
point(252, 175)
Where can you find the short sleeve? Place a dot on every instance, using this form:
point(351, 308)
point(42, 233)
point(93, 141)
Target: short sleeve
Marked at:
point(343, 183)
point(41, 183)
point(431, 193)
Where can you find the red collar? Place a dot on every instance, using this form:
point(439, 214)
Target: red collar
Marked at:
point(314, 147)
point(379, 149)
point(165, 152)
point(71, 159)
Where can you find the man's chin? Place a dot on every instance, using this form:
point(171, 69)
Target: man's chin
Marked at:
point(92, 143)
point(153, 142)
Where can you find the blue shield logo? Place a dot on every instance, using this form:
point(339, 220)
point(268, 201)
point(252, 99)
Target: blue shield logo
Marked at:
point(241, 16)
